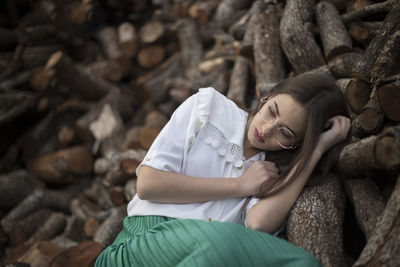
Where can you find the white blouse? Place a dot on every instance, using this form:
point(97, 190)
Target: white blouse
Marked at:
point(203, 138)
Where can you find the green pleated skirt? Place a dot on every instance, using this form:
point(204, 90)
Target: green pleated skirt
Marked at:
point(161, 241)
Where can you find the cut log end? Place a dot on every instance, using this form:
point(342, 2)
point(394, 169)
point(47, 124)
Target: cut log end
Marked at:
point(370, 120)
point(357, 94)
point(389, 99)
point(388, 151)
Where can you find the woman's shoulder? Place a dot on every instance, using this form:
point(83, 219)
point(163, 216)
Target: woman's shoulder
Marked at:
point(213, 106)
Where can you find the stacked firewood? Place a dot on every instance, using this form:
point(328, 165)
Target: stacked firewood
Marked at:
point(86, 86)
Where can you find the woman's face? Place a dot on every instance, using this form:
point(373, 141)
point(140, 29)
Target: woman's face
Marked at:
point(279, 124)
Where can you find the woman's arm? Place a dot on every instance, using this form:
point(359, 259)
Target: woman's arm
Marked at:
point(168, 187)
point(269, 214)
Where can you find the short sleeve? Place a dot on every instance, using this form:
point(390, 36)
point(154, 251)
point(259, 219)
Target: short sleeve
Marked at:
point(251, 203)
point(167, 150)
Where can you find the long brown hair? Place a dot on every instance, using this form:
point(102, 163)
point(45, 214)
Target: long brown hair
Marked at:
point(322, 99)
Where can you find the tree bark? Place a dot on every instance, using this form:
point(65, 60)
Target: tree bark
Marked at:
point(334, 36)
point(384, 245)
point(367, 202)
point(298, 42)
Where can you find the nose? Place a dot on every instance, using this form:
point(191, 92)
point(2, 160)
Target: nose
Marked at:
point(267, 129)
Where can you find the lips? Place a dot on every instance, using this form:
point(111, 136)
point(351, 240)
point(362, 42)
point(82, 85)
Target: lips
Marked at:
point(257, 136)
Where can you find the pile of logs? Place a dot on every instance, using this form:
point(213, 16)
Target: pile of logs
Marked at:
point(86, 86)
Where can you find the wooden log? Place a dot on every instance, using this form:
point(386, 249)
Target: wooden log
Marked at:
point(8, 39)
point(41, 254)
point(191, 47)
point(389, 97)
point(334, 36)
point(371, 116)
point(367, 202)
point(63, 166)
point(91, 226)
point(364, 32)
point(130, 189)
point(63, 242)
point(387, 63)
point(74, 229)
point(357, 94)
point(371, 154)
point(269, 64)
point(13, 104)
point(368, 10)
point(41, 198)
point(154, 83)
point(151, 56)
point(147, 135)
point(298, 43)
point(89, 126)
point(84, 254)
point(391, 24)
point(24, 228)
point(99, 193)
point(79, 13)
point(102, 165)
point(383, 245)
point(127, 39)
point(152, 32)
point(342, 65)
point(17, 80)
point(82, 208)
point(316, 219)
point(15, 186)
point(226, 9)
point(50, 228)
point(108, 37)
point(238, 82)
point(203, 11)
point(117, 195)
point(110, 228)
point(75, 77)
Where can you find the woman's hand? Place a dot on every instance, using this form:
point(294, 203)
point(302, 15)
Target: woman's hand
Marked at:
point(252, 179)
point(339, 127)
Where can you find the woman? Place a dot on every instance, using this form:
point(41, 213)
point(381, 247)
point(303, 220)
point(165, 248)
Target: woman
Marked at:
point(186, 214)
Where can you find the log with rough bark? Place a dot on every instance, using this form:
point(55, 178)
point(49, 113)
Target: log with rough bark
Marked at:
point(99, 193)
point(367, 202)
point(202, 11)
point(63, 166)
point(297, 42)
point(268, 58)
point(383, 246)
point(52, 226)
point(84, 255)
point(83, 208)
point(95, 126)
point(13, 104)
point(24, 228)
point(191, 47)
point(389, 97)
point(342, 65)
point(226, 10)
point(40, 254)
point(357, 94)
point(315, 221)
point(15, 186)
point(391, 24)
point(364, 32)
point(76, 78)
point(387, 63)
point(370, 119)
point(127, 39)
point(334, 36)
point(110, 228)
point(371, 154)
point(153, 84)
point(152, 32)
point(368, 10)
point(151, 56)
point(42, 198)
